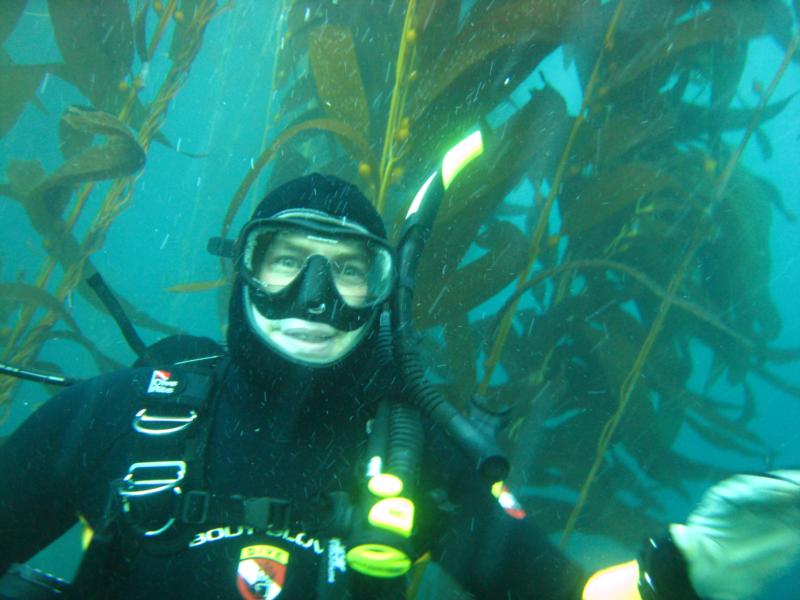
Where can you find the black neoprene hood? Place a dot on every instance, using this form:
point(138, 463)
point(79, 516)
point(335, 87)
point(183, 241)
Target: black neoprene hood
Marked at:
point(261, 363)
point(324, 193)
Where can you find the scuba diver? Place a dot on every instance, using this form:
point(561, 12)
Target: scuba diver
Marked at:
point(294, 466)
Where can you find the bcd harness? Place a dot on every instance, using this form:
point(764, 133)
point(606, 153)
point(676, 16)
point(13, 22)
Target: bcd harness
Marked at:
point(165, 487)
point(163, 497)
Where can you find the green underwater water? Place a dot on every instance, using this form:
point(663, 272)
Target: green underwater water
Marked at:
point(610, 202)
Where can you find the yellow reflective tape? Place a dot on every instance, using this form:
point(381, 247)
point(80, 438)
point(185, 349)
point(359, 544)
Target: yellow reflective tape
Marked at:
point(385, 485)
point(378, 560)
point(620, 582)
point(279, 555)
point(87, 534)
point(460, 155)
point(393, 514)
point(417, 202)
point(497, 489)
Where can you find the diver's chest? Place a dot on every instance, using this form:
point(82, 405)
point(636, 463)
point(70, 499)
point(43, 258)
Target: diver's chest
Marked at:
point(302, 465)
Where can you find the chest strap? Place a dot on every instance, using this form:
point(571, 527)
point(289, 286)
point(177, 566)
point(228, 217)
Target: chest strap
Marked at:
point(166, 488)
point(200, 507)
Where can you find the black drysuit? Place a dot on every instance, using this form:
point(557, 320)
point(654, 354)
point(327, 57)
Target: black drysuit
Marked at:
point(57, 466)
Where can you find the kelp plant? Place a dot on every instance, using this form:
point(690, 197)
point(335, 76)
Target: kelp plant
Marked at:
point(579, 268)
point(107, 56)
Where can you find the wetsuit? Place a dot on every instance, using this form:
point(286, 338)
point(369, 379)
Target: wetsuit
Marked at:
point(296, 444)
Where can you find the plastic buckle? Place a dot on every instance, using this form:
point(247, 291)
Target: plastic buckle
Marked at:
point(270, 512)
point(195, 507)
point(142, 421)
point(159, 481)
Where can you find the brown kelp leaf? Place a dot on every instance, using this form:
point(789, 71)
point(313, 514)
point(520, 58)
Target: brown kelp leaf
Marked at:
point(740, 253)
point(119, 156)
point(452, 236)
point(24, 177)
point(615, 347)
point(531, 139)
point(726, 22)
point(332, 57)
point(61, 243)
point(609, 193)
point(722, 438)
point(140, 32)
point(729, 59)
point(714, 413)
point(35, 297)
point(462, 352)
point(436, 22)
point(340, 128)
point(694, 119)
point(306, 14)
point(183, 27)
point(508, 24)
point(288, 164)
point(452, 293)
point(10, 12)
point(764, 143)
point(543, 126)
point(18, 84)
point(665, 374)
point(469, 97)
point(779, 22)
point(627, 127)
point(96, 42)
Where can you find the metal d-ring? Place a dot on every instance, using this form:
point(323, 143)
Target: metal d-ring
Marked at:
point(141, 420)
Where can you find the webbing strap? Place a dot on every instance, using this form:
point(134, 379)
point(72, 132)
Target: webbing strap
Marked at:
point(199, 507)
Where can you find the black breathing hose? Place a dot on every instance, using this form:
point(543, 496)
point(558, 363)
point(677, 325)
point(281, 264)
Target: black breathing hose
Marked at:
point(486, 455)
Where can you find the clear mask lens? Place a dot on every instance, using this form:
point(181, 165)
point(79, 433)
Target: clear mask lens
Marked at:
point(275, 254)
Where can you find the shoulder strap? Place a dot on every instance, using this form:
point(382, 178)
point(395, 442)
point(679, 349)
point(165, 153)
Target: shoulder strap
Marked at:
point(175, 418)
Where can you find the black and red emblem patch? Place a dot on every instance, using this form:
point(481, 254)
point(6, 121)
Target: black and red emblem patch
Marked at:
point(262, 572)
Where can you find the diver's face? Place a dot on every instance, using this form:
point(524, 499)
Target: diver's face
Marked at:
point(312, 342)
point(347, 260)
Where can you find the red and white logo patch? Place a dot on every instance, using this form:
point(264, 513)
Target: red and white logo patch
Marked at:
point(161, 383)
point(262, 572)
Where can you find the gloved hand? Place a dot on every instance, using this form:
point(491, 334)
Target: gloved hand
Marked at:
point(745, 531)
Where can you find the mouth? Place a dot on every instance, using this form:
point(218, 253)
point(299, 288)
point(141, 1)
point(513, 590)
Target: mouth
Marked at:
point(309, 336)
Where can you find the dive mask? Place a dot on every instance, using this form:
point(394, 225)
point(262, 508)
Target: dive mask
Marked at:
point(309, 265)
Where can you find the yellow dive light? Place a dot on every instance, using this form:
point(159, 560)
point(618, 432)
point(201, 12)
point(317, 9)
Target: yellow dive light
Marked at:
point(382, 548)
point(378, 560)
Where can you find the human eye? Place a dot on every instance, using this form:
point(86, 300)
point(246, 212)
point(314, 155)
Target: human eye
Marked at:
point(353, 271)
point(286, 261)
